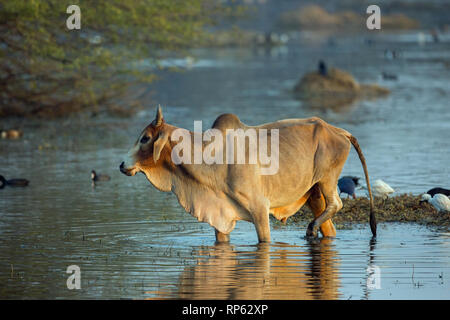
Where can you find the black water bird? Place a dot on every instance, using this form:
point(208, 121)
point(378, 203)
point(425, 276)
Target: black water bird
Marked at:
point(13, 182)
point(323, 68)
point(389, 76)
point(348, 185)
point(99, 177)
point(434, 191)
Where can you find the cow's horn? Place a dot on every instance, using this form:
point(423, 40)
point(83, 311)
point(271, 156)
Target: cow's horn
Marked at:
point(159, 116)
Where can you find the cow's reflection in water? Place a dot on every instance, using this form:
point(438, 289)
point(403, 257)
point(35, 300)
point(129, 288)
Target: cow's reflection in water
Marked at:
point(277, 271)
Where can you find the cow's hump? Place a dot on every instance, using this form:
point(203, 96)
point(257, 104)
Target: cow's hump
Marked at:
point(227, 120)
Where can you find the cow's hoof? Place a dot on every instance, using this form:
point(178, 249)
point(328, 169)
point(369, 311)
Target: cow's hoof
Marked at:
point(312, 230)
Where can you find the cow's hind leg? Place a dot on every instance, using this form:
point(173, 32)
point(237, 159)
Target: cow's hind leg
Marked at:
point(317, 203)
point(222, 237)
point(333, 205)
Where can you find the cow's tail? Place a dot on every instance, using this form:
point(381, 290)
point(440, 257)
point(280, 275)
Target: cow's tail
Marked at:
point(373, 221)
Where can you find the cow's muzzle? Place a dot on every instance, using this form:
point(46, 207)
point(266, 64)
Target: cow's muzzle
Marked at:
point(124, 170)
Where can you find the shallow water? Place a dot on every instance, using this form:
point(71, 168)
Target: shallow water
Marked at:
point(132, 241)
point(160, 257)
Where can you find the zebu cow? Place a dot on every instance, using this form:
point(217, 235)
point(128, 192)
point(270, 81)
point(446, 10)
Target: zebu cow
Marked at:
point(312, 154)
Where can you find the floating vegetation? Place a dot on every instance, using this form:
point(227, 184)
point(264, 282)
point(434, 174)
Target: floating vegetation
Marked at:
point(402, 208)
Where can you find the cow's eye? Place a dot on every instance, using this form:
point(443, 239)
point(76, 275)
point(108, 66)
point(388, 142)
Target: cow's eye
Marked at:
point(145, 139)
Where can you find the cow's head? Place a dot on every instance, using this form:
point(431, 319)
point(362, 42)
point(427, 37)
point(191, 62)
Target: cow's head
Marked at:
point(149, 148)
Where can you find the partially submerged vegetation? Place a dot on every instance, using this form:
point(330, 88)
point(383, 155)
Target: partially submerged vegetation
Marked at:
point(335, 89)
point(314, 17)
point(402, 208)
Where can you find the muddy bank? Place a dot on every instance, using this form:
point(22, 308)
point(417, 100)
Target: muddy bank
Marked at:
point(314, 17)
point(402, 208)
point(334, 90)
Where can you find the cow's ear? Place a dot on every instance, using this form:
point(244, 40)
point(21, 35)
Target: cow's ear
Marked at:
point(159, 144)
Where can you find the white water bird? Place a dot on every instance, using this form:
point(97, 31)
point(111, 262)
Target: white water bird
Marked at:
point(440, 201)
point(381, 189)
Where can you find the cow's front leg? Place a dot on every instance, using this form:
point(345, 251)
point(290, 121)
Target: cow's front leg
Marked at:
point(222, 237)
point(258, 208)
point(262, 225)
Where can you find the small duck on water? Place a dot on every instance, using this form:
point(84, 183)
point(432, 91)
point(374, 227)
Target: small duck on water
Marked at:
point(99, 177)
point(13, 182)
point(389, 76)
point(439, 201)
